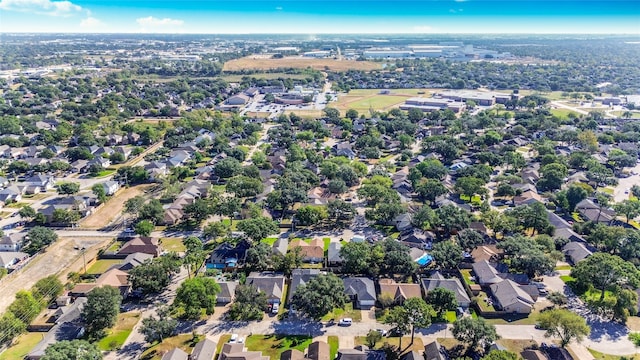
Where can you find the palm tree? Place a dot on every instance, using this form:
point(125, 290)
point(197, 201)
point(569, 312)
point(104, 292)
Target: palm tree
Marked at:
point(627, 114)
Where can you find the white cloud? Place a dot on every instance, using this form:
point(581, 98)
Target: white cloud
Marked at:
point(43, 7)
point(151, 21)
point(90, 22)
point(422, 29)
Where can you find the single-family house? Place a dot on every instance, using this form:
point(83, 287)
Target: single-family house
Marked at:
point(175, 354)
point(567, 233)
point(4, 182)
point(300, 277)
point(576, 251)
point(45, 182)
point(361, 291)
point(485, 273)
point(531, 354)
point(399, 291)
point(270, 283)
point(593, 212)
point(402, 222)
point(11, 193)
point(110, 187)
point(292, 354)
point(204, 350)
point(141, 244)
point(134, 260)
point(319, 350)
point(311, 252)
point(511, 298)
point(12, 242)
point(227, 256)
point(227, 292)
point(8, 259)
point(438, 281)
point(280, 246)
point(333, 254)
point(113, 277)
point(351, 354)
point(433, 351)
point(237, 351)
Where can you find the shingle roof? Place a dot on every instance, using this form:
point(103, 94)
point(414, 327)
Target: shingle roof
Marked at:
point(204, 350)
point(453, 284)
point(363, 287)
point(508, 293)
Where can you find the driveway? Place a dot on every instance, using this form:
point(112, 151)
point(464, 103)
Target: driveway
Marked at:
point(625, 184)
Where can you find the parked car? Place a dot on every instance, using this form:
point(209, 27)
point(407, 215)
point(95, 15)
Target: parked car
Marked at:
point(233, 339)
point(345, 322)
point(382, 332)
point(275, 308)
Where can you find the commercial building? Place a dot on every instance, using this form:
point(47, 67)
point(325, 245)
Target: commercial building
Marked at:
point(432, 104)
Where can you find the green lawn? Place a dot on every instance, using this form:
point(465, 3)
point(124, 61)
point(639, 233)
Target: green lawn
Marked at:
point(269, 241)
point(102, 265)
point(117, 335)
point(600, 356)
point(607, 190)
point(451, 317)
point(115, 246)
point(104, 173)
point(223, 340)
point(475, 199)
point(184, 341)
point(333, 346)
point(274, 345)
point(24, 344)
point(562, 113)
point(567, 279)
point(466, 274)
point(326, 243)
point(484, 305)
point(347, 312)
point(417, 345)
point(173, 244)
point(563, 267)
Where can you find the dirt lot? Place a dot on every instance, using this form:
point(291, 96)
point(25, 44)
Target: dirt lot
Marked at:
point(258, 63)
point(60, 258)
point(107, 213)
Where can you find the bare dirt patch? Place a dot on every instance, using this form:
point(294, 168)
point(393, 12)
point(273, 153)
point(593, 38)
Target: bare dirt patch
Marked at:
point(113, 208)
point(260, 63)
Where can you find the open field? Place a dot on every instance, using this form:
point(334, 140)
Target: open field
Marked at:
point(306, 113)
point(634, 114)
point(258, 63)
point(264, 76)
point(563, 113)
point(117, 335)
point(258, 114)
point(364, 99)
point(173, 244)
point(113, 208)
point(24, 344)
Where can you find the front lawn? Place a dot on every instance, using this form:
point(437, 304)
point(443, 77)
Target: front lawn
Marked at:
point(269, 241)
point(117, 335)
point(185, 342)
point(326, 243)
point(23, 346)
point(600, 356)
point(563, 267)
point(417, 345)
point(274, 345)
point(567, 279)
point(333, 346)
point(347, 312)
point(173, 244)
point(102, 265)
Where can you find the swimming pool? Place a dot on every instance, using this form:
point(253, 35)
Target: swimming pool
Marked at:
point(424, 260)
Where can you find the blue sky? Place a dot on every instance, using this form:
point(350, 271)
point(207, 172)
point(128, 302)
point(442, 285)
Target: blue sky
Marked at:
point(322, 16)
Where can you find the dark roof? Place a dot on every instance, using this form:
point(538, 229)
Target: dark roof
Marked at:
point(226, 251)
point(453, 284)
point(412, 355)
point(141, 244)
point(576, 251)
point(432, 351)
point(301, 277)
point(292, 354)
point(362, 287)
point(204, 350)
point(176, 354)
point(351, 354)
point(318, 350)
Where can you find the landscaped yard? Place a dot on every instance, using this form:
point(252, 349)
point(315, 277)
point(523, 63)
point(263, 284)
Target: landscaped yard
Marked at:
point(173, 244)
point(417, 345)
point(117, 335)
point(274, 345)
point(483, 302)
point(185, 342)
point(269, 241)
point(347, 312)
point(24, 345)
point(563, 267)
point(466, 274)
point(102, 265)
point(333, 346)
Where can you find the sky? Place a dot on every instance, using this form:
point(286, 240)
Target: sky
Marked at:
point(322, 16)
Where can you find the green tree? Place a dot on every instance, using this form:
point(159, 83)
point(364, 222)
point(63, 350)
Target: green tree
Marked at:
point(564, 324)
point(311, 215)
point(430, 189)
point(474, 332)
point(101, 310)
point(501, 355)
point(144, 228)
point(157, 329)
point(397, 318)
point(244, 186)
point(133, 205)
point(199, 210)
point(47, 289)
point(196, 294)
point(258, 228)
point(215, 230)
point(68, 188)
point(25, 307)
point(10, 327)
point(469, 186)
point(154, 276)
point(27, 212)
point(442, 300)
point(258, 257)
point(358, 258)
point(249, 304)
point(289, 261)
point(575, 194)
point(605, 271)
point(99, 192)
point(447, 254)
point(452, 218)
point(557, 298)
point(630, 208)
point(38, 238)
point(72, 350)
point(372, 338)
point(417, 314)
point(469, 239)
point(352, 114)
point(319, 296)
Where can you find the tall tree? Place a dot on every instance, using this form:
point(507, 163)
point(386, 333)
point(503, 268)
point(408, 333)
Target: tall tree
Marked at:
point(474, 332)
point(564, 324)
point(249, 304)
point(258, 228)
point(101, 310)
point(196, 294)
point(72, 350)
point(442, 300)
point(605, 271)
point(447, 254)
point(319, 296)
point(156, 329)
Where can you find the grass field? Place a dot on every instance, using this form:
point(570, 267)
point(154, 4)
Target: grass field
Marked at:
point(173, 244)
point(269, 241)
point(265, 76)
point(274, 345)
point(313, 114)
point(261, 63)
point(183, 341)
point(417, 345)
point(364, 99)
point(117, 335)
point(634, 114)
point(24, 345)
point(102, 265)
point(562, 113)
point(258, 114)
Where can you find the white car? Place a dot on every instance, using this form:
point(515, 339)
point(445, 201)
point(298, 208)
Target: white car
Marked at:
point(275, 308)
point(233, 339)
point(345, 322)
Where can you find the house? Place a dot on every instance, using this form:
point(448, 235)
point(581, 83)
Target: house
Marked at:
point(10, 258)
point(311, 252)
point(511, 298)
point(433, 351)
point(43, 181)
point(134, 260)
point(237, 351)
point(113, 277)
point(175, 354)
point(398, 291)
point(344, 149)
point(300, 277)
point(270, 283)
point(204, 350)
point(438, 281)
point(4, 182)
point(592, 212)
point(333, 254)
point(566, 233)
point(292, 354)
point(100, 161)
point(576, 251)
point(110, 187)
point(527, 198)
point(319, 350)
point(12, 242)
point(227, 256)
point(533, 355)
point(485, 273)
point(280, 246)
point(402, 222)
point(227, 292)
point(412, 355)
point(361, 291)
point(142, 244)
point(172, 215)
point(79, 166)
point(486, 252)
point(351, 354)
point(12, 193)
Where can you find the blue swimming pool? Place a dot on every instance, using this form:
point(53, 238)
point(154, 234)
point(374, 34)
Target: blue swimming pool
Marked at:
point(424, 260)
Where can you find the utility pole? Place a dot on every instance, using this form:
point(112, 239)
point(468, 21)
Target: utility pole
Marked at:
point(84, 261)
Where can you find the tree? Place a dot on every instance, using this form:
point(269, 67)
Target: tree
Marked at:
point(258, 257)
point(605, 271)
point(575, 194)
point(430, 189)
point(337, 186)
point(154, 276)
point(447, 254)
point(557, 298)
point(25, 307)
point(442, 300)
point(552, 176)
point(157, 329)
point(474, 332)
point(352, 114)
point(99, 192)
point(214, 230)
point(249, 304)
point(289, 261)
point(101, 310)
point(196, 294)
point(635, 190)
point(564, 324)
point(39, 237)
point(10, 327)
point(396, 259)
point(199, 210)
point(244, 186)
point(452, 218)
point(630, 208)
point(397, 318)
point(358, 258)
point(319, 296)
point(68, 188)
point(133, 205)
point(500, 355)
point(417, 314)
point(195, 255)
point(311, 215)
point(144, 228)
point(27, 212)
point(469, 186)
point(227, 167)
point(469, 239)
point(258, 228)
point(72, 350)
point(47, 289)
point(372, 338)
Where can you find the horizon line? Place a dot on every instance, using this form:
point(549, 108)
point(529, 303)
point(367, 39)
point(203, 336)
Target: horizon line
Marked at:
point(305, 33)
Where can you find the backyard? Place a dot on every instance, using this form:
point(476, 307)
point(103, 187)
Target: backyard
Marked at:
point(185, 342)
point(117, 335)
point(102, 265)
point(274, 345)
point(25, 343)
